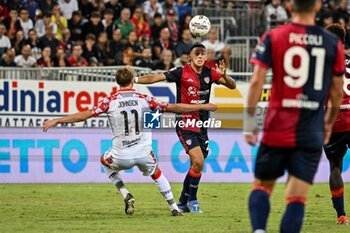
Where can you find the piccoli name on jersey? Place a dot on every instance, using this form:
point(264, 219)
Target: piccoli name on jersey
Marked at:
point(305, 39)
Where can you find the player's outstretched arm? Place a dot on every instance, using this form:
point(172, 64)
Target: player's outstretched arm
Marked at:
point(180, 108)
point(150, 78)
point(250, 130)
point(336, 95)
point(225, 79)
point(76, 117)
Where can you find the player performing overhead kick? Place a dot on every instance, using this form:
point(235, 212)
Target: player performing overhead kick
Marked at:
point(340, 140)
point(193, 84)
point(307, 64)
point(132, 146)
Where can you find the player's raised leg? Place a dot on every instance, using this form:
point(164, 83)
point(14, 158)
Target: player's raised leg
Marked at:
point(165, 189)
point(115, 178)
point(259, 204)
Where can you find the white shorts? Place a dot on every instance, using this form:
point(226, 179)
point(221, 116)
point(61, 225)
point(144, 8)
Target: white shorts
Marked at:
point(147, 165)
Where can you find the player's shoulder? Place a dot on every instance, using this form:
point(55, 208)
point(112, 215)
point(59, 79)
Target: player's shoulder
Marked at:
point(329, 35)
point(142, 96)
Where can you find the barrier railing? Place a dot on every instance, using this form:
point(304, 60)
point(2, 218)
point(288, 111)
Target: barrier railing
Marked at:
point(93, 74)
point(242, 48)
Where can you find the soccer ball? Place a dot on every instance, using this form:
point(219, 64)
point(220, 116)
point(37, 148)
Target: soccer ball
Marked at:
point(200, 25)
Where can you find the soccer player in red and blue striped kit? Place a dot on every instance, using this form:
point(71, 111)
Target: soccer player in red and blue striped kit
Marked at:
point(193, 83)
point(307, 64)
point(340, 140)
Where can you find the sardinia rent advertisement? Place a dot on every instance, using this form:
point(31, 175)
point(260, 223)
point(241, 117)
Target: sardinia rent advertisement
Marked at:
point(71, 152)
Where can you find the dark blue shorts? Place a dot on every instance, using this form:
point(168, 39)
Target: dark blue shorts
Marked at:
point(337, 146)
point(271, 162)
point(191, 140)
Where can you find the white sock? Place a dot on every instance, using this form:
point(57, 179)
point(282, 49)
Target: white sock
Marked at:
point(115, 178)
point(165, 189)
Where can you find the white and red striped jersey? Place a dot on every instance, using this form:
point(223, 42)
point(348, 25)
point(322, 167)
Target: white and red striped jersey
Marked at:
point(125, 112)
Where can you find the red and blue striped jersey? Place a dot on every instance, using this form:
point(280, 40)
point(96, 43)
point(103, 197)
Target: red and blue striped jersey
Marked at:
point(342, 123)
point(303, 61)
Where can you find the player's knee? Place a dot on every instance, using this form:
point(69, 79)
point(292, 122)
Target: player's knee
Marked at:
point(197, 166)
point(102, 161)
point(266, 189)
point(336, 171)
point(156, 174)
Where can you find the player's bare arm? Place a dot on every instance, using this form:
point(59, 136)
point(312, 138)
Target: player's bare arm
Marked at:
point(180, 108)
point(225, 79)
point(256, 85)
point(150, 78)
point(336, 95)
point(76, 117)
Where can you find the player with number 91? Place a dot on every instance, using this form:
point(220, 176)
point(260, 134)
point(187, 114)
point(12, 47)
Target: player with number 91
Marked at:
point(307, 63)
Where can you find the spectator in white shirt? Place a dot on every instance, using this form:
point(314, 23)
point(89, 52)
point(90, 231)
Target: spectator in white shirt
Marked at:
point(151, 7)
point(213, 43)
point(25, 21)
point(26, 60)
point(46, 21)
point(67, 7)
point(275, 14)
point(4, 40)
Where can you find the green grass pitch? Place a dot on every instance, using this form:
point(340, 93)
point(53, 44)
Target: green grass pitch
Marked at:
point(99, 208)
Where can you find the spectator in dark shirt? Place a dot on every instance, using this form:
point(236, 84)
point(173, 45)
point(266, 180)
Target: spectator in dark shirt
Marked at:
point(46, 60)
point(102, 48)
point(86, 8)
point(60, 59)
point(12, 24)
point(164, 42)
point(48, 40)
point(66, 41)
point(107, 22)
point(18, 41)
point(33, 41)
point(114, 47)
point(89, 48)
point(8, 58)
point(146, 60)
point(47, 5)
point(342, 12)
point(134, 44)
point(75, 25)
point(185, 44)
point(94, 26)
point(116, 7)
point(166, 60)
point(157, 26)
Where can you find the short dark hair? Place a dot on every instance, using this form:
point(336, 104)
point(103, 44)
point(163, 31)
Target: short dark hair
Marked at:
point(108, 11)
point(95, 14)
point(47, 14)
point(338, 30)
point(90, 36)
point(197, 45)
point(124, 76)
point(303, 5)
